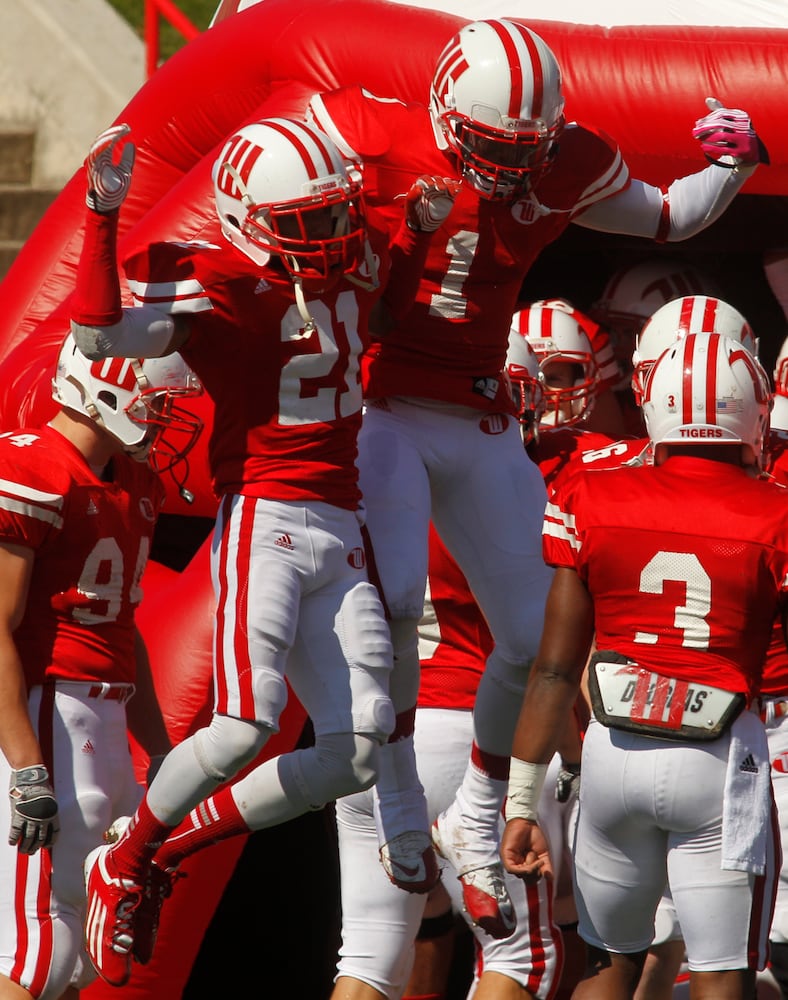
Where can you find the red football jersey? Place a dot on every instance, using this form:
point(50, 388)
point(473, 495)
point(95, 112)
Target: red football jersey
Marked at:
point(91, 541)
point(454, 640)
point(287, 406)
point(558, 447)
point(452, 343)
point(685, 579)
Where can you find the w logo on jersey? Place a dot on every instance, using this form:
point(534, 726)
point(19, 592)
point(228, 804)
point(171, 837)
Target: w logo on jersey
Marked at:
point(116, 372)
point(494, 423)
point(356, 558)
point(241, 155)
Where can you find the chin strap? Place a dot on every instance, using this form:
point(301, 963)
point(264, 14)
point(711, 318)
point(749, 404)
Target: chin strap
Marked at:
point(309, 324)
point(372, 269)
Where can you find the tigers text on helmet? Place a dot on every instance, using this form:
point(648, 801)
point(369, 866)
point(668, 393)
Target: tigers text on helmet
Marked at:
point(496, 103)
point(676, 319)
point(522, 371)
point(707, 389)
point(283, 188)
point(135, 401)
point(558, 339)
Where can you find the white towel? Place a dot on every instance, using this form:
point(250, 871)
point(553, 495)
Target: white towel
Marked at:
point(747, 806)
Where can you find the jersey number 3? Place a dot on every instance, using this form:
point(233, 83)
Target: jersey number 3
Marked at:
point(690, 617)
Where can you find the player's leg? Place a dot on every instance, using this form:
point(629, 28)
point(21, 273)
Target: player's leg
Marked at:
point(620, 859)
point(498, 491)
point(723, 909)
point(396, 492)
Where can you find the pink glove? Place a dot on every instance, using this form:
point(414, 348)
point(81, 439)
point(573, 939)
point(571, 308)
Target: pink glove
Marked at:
point(109, 178)
point(429, 201)
point(727, 137)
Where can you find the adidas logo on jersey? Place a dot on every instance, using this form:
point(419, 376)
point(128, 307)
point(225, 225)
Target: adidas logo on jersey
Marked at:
point(749, 765)
point(88, 747)
point(92, 508)
point(284, 542)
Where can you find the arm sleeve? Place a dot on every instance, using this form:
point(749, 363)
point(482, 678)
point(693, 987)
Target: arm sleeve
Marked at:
point(100, 326)
point(670, 214)
point(408, 255)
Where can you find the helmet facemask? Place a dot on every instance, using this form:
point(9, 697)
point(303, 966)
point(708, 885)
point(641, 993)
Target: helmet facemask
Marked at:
point(572, 402)
point(500, 163)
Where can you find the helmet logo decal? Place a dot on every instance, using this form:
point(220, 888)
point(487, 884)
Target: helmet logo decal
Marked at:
point(451, 65)
point(114, 371)
point(241, 156)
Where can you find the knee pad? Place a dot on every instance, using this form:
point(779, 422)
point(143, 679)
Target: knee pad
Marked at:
point(227, 745)
point(339, 764)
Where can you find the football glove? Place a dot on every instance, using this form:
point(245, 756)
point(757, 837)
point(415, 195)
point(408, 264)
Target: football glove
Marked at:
point(109, 177)
point(429, 201)
point(34, 819)
point(727, 137)
point(567, 781)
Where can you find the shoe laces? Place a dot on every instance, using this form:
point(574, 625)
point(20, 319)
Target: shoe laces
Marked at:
point(122, 938)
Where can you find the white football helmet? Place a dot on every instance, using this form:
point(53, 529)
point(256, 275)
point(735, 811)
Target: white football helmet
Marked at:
point(522, 370)
point(282, 187)
point(133, 400)
point(556, 337)
point(496, 103)
point(635, 292)
point(708, 389)
point(676, 319)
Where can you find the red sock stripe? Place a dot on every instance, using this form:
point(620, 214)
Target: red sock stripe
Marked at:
point(491, 764)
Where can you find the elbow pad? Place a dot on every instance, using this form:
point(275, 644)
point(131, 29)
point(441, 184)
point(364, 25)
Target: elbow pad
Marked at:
point(143, 332)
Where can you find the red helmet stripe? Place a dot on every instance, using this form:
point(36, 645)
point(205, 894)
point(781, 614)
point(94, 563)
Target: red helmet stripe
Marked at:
point(288, 130)
point(546, 316)
point(686, 381)
point(711, 378)
point(709, 315)
point(685, 316)
point(504, 32)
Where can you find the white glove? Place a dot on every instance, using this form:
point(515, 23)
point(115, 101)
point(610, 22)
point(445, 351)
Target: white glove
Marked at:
point(727, 137)
point(429, 201)
point(109, 178)
point(34, 820)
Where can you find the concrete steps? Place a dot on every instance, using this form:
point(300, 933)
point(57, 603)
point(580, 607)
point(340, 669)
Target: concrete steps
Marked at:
point(22, 204)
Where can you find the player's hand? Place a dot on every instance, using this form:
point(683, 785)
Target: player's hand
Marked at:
point(34, 819)
point(727, 137)
point(109, 175)
point(429, 201)
point(524, 850)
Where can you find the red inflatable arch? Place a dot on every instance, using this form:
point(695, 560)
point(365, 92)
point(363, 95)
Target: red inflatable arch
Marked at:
point(645, 86)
